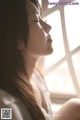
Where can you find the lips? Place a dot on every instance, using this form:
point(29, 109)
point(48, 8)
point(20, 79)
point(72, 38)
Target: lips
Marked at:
point(49, 38)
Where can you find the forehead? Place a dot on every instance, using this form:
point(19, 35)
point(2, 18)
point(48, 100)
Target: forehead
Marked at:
point(31, 8)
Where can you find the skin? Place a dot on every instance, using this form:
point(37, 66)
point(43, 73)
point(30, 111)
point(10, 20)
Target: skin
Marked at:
point(38, 45)
point(69, 111)
point(39, 41)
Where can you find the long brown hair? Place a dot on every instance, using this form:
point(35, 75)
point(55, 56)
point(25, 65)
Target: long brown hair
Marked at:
point(14, 26)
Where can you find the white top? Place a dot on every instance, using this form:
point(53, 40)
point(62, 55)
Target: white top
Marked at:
point(8, 99)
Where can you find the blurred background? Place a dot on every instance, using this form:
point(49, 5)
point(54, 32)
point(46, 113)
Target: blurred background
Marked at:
point(61, 69)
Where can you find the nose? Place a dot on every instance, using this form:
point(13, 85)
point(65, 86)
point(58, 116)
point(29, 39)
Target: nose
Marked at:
point(46, 27)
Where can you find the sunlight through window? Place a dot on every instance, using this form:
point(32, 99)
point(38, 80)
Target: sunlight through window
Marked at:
point(56, 33)
point(59, 78)
point(72, 22)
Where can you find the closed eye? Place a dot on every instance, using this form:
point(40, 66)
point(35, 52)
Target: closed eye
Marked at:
point(36, 20)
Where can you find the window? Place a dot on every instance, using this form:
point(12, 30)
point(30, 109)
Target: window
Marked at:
point(62, 68)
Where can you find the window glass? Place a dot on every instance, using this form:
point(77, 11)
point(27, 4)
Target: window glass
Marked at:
point(56, 33)
point(57, 69)
point(59, 80)
point(72, 22)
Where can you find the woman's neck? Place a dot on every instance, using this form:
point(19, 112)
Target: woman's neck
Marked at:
point(30, 63)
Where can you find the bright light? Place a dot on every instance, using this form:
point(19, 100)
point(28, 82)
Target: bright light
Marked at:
point(56, 33)
point(72, 22)
point(59, 80)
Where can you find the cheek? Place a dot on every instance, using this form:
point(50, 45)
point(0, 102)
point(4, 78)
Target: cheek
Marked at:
point(37, 37)
point(36, 31)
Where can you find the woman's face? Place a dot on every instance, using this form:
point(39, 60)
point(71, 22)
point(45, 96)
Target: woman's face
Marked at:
point(39, 41)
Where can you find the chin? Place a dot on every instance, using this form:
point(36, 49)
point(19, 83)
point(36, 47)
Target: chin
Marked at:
point(46, 52)
point(49, 51)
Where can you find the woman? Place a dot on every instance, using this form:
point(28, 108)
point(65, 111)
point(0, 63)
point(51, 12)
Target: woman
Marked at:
point(24, 37)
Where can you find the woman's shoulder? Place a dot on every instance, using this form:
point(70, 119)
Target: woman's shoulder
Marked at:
point(19, 112)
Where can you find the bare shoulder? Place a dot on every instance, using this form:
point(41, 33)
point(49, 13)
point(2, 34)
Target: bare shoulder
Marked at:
point(69, 111)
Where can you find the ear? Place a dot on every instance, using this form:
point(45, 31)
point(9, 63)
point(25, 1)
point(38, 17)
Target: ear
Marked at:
point(20, 45)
